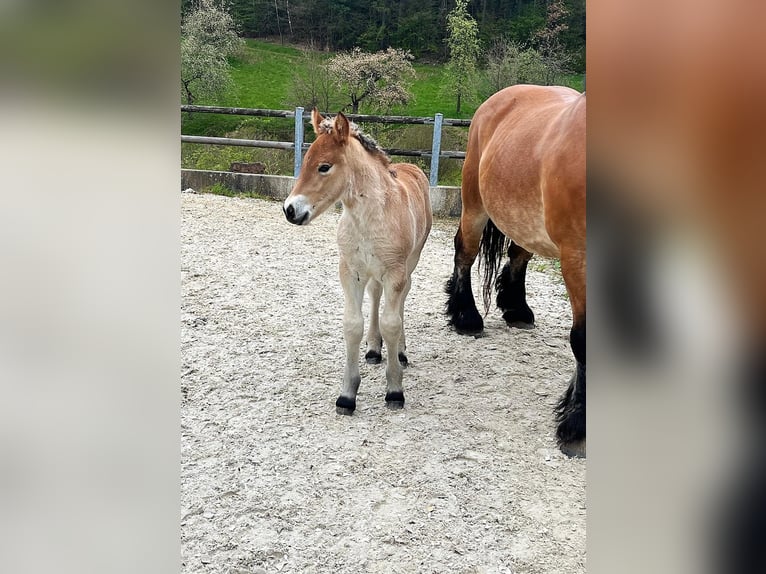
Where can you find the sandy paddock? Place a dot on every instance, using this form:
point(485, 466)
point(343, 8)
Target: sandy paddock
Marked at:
point(465, 479)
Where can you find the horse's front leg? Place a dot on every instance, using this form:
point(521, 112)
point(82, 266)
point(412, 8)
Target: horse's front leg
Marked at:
point(391, 328)
point(374, 342)
point(353, 329)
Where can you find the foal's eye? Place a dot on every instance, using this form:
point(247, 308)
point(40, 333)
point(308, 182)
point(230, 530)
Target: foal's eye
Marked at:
point(324, 168)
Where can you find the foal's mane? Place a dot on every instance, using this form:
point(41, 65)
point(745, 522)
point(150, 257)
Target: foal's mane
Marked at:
point(367, 141)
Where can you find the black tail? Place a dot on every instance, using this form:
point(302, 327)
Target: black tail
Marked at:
point(494, 245)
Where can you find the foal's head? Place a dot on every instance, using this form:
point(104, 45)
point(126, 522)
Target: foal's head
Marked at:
point(328, 168)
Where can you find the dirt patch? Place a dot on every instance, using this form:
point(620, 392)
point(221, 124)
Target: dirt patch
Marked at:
point(465, 479)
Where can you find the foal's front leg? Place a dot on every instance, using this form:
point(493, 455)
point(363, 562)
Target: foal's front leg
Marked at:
point(353, 329)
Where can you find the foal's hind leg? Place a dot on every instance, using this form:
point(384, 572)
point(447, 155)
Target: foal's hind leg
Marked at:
point(353, 329)
point(461, 305)
point(391, 327)
point(402, 342)
point(570, 411)
point(511, 289)
point(374, 340)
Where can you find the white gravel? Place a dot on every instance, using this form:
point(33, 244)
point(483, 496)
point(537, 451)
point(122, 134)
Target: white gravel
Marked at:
point(466, 479)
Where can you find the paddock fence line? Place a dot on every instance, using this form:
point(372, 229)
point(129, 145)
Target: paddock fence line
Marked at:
point(299, 146)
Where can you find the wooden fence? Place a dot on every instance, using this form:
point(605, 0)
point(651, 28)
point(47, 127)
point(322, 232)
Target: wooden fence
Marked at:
point(299, 146)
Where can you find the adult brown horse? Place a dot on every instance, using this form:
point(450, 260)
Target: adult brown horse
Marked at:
point(523, 193)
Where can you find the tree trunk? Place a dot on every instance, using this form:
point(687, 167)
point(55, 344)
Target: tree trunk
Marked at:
point(457, 111)
point(189, 95)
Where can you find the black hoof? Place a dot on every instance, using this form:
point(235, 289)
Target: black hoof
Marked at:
point(395, 401)
point(403, 360)
point(573, 449)
point(468, 322)
point(570, 433)
point(345, 405)
point(522, 318)
point(373, 357)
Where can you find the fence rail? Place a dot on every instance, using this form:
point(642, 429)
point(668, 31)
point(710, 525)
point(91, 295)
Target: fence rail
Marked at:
point(298, 145)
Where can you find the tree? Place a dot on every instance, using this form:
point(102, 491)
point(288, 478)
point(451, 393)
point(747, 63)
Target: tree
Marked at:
point(382, 79)
point(509, 63)
point(208, 37)
point(463, 43)
point(312, 86)
point(549, 41)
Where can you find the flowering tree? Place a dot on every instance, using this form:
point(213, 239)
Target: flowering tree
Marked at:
point(208, 37)
point(381, 79)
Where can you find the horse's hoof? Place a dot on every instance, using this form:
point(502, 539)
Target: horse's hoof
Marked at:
point(519, 318)
point(520, 325)
point(395, 401)
point(345, 406)
point(468, 323)
point(403, 360)
point(373, 357)
point(574, 449)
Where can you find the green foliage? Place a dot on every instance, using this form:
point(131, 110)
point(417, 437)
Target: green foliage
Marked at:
point(208, 37)
point(508, 63)
point(419, 27)
point(311, 85)
point(548, 40)
point(262, 74)
point(464, 47)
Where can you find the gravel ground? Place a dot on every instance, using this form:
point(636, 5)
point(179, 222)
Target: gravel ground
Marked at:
point(465, 479)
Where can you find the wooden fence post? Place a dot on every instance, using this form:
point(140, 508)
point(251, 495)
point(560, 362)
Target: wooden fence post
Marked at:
point(436, 148)
point(298, 140)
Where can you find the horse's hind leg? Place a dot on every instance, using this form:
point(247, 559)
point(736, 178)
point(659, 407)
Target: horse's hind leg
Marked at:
point(374, 340)
point(511, 289)
point(570, 411)
point(461, 305)
point(353, 329)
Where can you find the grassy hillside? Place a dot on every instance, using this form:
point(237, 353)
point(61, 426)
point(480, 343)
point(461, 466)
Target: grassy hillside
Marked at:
point(262, 77)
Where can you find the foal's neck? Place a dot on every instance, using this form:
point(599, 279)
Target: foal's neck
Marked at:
point(368, 187)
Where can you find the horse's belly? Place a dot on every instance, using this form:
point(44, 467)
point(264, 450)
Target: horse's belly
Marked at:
point(533, 238)
point(522, 220)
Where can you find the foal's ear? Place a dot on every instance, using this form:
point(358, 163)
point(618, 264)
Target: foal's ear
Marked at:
point(341, 128)
point(316, 120)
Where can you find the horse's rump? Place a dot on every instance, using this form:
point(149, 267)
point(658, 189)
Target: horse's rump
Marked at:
point(520, 139)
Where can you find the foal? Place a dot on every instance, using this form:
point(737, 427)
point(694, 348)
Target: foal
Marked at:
point(386, 220)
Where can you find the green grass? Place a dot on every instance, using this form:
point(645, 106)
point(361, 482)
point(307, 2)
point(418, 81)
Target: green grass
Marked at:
point(262, 75)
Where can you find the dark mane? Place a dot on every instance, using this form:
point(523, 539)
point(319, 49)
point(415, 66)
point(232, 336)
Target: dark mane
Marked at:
point(367, 141)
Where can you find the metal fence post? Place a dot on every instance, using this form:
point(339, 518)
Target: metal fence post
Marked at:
point(298, 140)
point(436, 148)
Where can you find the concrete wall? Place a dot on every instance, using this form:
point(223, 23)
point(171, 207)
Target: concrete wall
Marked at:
point(445, 201)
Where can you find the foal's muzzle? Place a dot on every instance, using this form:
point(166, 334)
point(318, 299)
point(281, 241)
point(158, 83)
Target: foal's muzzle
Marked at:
point(298, 216)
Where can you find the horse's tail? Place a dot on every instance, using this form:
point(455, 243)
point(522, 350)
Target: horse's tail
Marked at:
point(493, 246)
